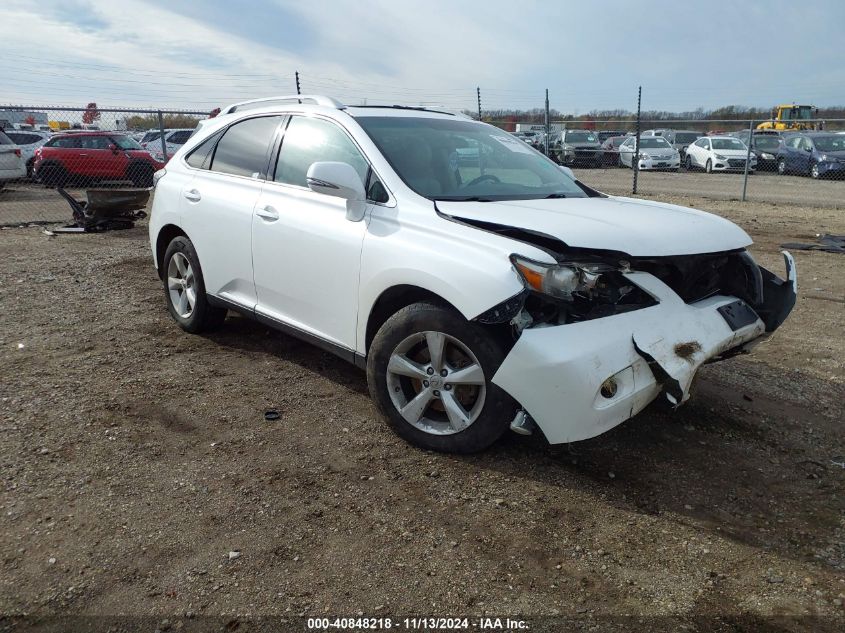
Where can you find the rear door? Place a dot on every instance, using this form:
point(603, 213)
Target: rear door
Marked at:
point(219, 203)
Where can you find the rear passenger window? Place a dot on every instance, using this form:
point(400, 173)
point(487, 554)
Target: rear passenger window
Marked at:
point(67, 141)
point(200, 158)
point(243, 149)
point(307, 141)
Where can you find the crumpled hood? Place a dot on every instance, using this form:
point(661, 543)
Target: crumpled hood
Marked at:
point(640, 228)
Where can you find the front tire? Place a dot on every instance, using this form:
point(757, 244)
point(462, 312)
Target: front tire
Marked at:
point(429, 372)
point(709, 166)
point(782, 167)
point(814, 171)
point(689, 162)
point(184, 288)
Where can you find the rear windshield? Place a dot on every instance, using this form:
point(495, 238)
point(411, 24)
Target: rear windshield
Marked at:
point(687, 137)
point(766, 142)
point(654, 142)
point(727, 143)
point(581, 137)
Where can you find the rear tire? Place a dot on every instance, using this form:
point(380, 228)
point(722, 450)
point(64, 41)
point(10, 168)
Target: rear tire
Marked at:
point(184, 288)
point(465, 415)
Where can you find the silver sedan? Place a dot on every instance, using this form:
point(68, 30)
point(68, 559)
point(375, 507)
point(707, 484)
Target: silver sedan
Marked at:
point(655, 153)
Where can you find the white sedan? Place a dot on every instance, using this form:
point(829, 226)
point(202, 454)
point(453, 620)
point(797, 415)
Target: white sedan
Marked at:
point(655, 153)
point(719, 153)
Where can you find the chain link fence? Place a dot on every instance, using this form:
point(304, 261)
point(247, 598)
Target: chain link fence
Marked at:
point(794, 157)
point(47, 149)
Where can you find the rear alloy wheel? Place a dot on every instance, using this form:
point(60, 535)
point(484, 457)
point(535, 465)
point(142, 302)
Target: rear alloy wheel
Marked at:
point(782, 167)
point(709, 166)
point(429, 372)
point(814, 171)
point(184, 288)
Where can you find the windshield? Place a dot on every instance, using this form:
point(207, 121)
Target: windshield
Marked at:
point(448, 159)
point(766, 142)
point(804, 112)
point(832, 143)
point(686, 137)
point(150, 136)
point(581, 137)
point(654, 142)
point(126, 142)
point(727, 143)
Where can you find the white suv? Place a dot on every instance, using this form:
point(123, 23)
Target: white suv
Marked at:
point(480, 285)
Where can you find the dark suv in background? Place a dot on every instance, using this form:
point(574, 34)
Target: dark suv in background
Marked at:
point(765, 145)
point(89, 157)
point(577, 147)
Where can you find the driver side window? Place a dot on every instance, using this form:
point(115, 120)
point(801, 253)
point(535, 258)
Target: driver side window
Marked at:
point(308, 141)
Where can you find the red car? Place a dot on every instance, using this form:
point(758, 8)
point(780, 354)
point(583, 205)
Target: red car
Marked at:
point(87, 157)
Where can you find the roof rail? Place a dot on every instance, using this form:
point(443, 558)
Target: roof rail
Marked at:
point(258, 103)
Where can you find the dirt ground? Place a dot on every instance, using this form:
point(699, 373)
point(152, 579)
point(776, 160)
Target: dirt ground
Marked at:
point(140, 477)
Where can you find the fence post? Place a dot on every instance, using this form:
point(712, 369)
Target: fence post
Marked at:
point(548, 129)
point(478, 94)
point(748, 158)
point(163, 140)
point(297, 82)
point(635, 158)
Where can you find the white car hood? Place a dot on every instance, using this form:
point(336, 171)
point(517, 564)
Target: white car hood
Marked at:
point(733, 153)
point(639, 228)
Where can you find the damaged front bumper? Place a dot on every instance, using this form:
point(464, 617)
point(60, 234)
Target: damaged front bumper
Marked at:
point(581, 379)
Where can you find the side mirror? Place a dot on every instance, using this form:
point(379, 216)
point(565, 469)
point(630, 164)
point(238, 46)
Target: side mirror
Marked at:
point(113, 147)
point(567, 171)
point(339, 180)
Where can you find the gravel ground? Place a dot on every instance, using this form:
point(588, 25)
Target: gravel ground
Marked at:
point(140, 477)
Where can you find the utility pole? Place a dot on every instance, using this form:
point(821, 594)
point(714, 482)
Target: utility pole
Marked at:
point(297, 82)
point(548, 129)
point(635, 159)
point(747, 159)
point(478, 93)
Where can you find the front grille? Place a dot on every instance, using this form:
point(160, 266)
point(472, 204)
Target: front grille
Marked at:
point(696, 277)
point(736, 162)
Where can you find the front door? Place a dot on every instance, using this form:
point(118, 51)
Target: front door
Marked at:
point(306, 254)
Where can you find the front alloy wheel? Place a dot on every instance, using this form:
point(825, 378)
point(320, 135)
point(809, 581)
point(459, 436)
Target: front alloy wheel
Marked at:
point(814, 171)
point(436, 383)
point(782, 167)
point(429, 372)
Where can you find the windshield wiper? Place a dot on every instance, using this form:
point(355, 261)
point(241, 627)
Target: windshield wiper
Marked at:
point(467, 199)
point(556, 195)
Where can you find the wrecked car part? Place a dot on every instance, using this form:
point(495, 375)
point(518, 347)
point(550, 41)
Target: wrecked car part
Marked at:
point(575, 364)
point(779, 295)
point(505, 311)
point(523, 424)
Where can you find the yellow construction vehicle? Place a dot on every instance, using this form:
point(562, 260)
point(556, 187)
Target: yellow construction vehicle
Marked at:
point(792, 117)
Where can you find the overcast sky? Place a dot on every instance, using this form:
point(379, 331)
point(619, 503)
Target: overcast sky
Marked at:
point(590, 55)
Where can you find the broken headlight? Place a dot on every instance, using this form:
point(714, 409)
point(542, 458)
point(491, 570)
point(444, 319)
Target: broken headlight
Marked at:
point(560, 280)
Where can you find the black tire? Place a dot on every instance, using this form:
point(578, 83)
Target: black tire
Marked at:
point(52, 175)
point(814, 171)
point(141, 174)
point(30, 167)
point(708, 166)
point(782, 167)
point(498, 408)
point(689, 162)
point(204, 316)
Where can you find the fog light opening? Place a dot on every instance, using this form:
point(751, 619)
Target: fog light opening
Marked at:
point(608, 388)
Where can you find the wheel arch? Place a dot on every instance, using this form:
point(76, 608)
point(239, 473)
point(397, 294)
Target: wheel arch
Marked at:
point(393, 299)
point(166, 234)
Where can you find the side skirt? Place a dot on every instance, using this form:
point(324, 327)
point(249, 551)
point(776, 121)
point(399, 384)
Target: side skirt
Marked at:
point(350, 356)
